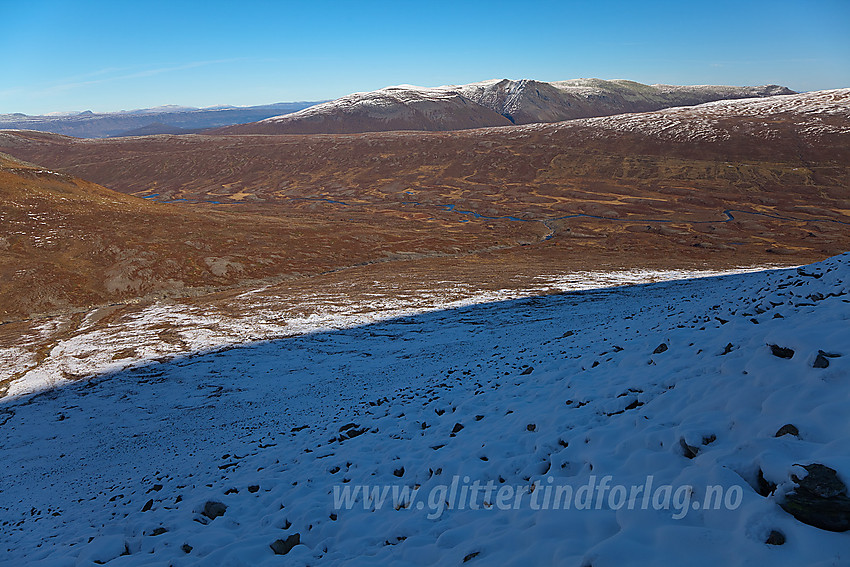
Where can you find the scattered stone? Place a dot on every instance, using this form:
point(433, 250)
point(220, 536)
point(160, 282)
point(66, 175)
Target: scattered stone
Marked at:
point(763, 486)
point(660, 348)
point(159, 531)
point(148, 505)
point(253, 488)
point(775, 538)
point(820, 499)
point(781, 352)
point(457, 428)
point(284, 546)
point(788, 429)
point(528, 370)
point(399, 472)
point(213, 509)
point(727, 349)
point(820, 361)
point(186, 548)
point(709, 439)
point(352, 433)
point(688, 450)
point(531, 427)
point(472, 555)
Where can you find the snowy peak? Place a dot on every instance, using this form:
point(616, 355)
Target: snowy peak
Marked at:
point(491, 103)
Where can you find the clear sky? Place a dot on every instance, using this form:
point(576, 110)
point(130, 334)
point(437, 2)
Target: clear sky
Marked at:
point(121, 54)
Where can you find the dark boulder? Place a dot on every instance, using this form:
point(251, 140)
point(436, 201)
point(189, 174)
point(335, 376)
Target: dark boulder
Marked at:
point(820, 499)
point(821, 361)
point(213, 509)
point(688, 450)
point(788, 429)
point(763, 486)
point(284, 546)
point(781, 352)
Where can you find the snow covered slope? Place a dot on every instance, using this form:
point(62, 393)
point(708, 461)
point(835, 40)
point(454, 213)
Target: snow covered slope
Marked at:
point(490, 103)
point(812, 114)
point(236, 456)
point(403, 107)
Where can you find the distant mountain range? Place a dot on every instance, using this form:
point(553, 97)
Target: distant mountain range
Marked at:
point(160, 120)
point(490, 103)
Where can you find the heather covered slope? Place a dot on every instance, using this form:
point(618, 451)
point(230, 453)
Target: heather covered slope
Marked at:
point(489, 103)
point(68, 244)
point(227, 458)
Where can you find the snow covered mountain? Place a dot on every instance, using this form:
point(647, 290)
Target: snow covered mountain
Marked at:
point(490, 103)
point(699, 422)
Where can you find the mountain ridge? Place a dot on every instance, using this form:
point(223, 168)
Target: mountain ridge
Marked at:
point(490, 103)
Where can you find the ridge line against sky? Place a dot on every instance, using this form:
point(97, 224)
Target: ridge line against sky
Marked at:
point(104, 56)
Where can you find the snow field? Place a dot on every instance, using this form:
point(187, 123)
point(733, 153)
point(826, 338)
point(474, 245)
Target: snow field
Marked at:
point(122, 469)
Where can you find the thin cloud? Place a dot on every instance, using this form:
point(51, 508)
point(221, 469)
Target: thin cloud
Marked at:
point(66, 86)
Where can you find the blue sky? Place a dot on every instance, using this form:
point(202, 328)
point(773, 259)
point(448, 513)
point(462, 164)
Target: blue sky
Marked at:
point(107, 56)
